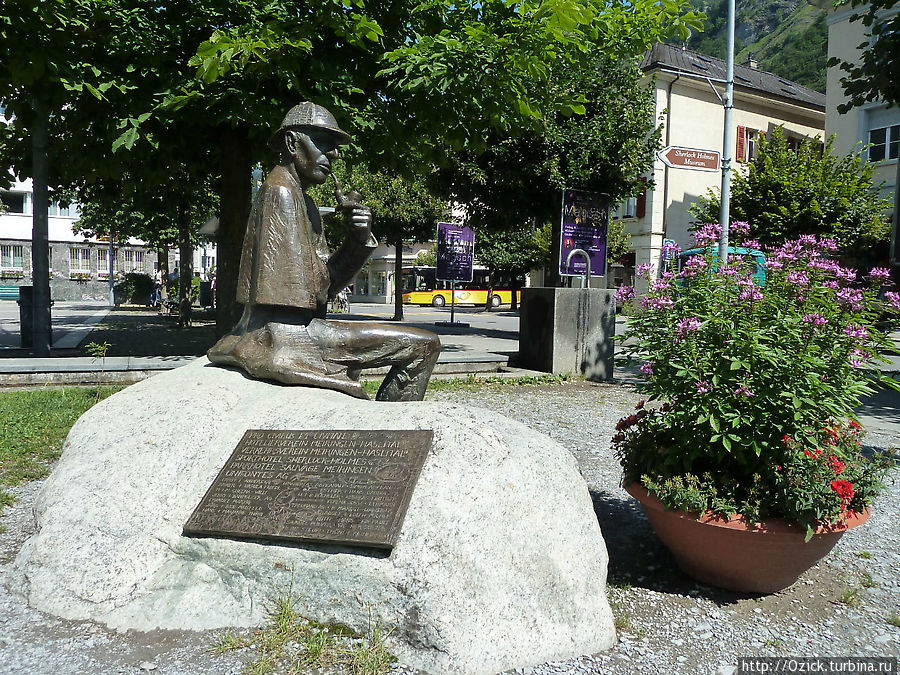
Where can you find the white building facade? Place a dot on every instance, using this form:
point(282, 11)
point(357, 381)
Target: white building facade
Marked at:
point(79, 266)
point(687, 90)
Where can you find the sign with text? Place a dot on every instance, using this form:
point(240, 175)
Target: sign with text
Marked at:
point(690, 158)
point(455, 252)
point(585, 222)
point(336, 487)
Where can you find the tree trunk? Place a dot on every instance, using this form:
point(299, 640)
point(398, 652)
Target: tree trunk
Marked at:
point(552, 277)
point(234, 208)
point(490, 291)
point(513, 303)
point(185, 252)
point(398, 281)
point(40, 264)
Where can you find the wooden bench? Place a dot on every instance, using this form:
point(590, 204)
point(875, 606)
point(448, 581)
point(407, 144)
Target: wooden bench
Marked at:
point(8, 292)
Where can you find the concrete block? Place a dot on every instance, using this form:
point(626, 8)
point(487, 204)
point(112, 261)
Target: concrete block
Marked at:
point(568, 331)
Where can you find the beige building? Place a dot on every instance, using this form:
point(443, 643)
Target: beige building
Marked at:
point(687, 89)
point(872, 123)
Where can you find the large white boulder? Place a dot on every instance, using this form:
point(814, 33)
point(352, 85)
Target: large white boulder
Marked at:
point(500, 562)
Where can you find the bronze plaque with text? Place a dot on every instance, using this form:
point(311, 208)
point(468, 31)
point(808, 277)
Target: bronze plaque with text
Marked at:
point(337, 487)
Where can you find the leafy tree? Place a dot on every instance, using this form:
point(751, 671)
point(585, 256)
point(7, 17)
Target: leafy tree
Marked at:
point(874, 76)
point(519, 179)
point(787, 193)
point(410, 79)
point(427, 257)
point(167, 214)
point(514, 251)
point(403, 210)
point(618, 241)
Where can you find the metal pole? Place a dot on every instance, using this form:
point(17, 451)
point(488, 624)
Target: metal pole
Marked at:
point(452, 299)
point(727, 139)
point(112, 281)
point(895, 235)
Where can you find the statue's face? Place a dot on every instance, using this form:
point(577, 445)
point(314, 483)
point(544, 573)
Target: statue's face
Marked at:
point(312, 152)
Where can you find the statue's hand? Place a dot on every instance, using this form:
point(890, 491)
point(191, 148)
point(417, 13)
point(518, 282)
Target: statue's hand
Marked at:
point(359, 217)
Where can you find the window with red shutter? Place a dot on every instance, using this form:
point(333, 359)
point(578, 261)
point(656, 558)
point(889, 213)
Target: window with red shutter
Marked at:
point(741, 152)
point(641, 209)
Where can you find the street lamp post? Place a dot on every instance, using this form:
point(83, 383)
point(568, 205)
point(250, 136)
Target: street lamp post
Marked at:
point(727, 138)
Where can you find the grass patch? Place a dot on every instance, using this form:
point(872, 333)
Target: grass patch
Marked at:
point(894, 619)
point(289, 643)
point(865, 555)
point(849, 596)
point(866, 580)
point(33, 426)
point(477, 382)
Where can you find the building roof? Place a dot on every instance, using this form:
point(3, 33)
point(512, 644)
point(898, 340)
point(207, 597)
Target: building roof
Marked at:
point(669, 57)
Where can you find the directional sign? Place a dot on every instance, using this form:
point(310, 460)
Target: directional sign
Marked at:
point(690, 158)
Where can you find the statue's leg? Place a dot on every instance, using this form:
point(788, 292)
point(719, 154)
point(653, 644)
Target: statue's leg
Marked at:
point(410, 352)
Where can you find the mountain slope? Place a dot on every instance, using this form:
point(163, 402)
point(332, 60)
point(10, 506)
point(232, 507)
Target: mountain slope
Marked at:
point(785, 37)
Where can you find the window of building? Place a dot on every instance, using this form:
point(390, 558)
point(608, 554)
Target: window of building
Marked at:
point(103, 262)
point(134, 261)
point(57, 209)
point(885, 143)
point(11, 257)
point(380, 285)
point(80, 259)
point(14, 202)
point(747, 143)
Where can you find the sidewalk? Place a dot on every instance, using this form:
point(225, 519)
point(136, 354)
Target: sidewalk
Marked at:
point(142, 342)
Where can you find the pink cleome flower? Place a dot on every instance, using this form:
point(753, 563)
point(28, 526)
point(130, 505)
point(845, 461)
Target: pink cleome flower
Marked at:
point(881, 274)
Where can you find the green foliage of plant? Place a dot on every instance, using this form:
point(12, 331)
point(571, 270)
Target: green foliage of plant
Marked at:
point(472, 382)
point(517, 179)
point(33, 425)
point(873, 75)
point(514, 250)
point(291, 644)
point(865, 555)
point(135, 285)
point(786, 194)
point(756, 386)
point(849, 596)
point(894, 619)
point(867, 581)
point(427, 258)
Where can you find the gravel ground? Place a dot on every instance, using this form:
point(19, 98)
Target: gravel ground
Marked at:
point(668, 623)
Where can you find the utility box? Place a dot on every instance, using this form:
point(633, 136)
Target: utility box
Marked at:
point(568, 331)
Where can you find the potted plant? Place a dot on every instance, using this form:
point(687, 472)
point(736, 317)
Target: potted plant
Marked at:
point(747, 457)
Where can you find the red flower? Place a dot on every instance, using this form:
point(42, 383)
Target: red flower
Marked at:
point(836, 464)
point(856, 426)
point(814, 453)
point(844, 489)
point(786, 440)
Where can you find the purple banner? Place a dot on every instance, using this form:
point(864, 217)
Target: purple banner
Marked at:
point(585, 220)
point(455, 252)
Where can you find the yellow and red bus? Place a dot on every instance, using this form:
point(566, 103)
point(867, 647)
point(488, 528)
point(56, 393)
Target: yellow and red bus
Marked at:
point(421, 287)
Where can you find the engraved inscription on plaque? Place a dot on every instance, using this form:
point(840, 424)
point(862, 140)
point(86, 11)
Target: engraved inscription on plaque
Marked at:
point(346, 487)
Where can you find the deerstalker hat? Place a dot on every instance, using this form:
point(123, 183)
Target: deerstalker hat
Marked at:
point(308, 114)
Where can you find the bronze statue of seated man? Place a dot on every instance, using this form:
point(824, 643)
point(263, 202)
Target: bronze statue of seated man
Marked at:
point(288, 275)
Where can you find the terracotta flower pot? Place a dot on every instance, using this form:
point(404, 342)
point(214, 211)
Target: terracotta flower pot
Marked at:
point(762, 558)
